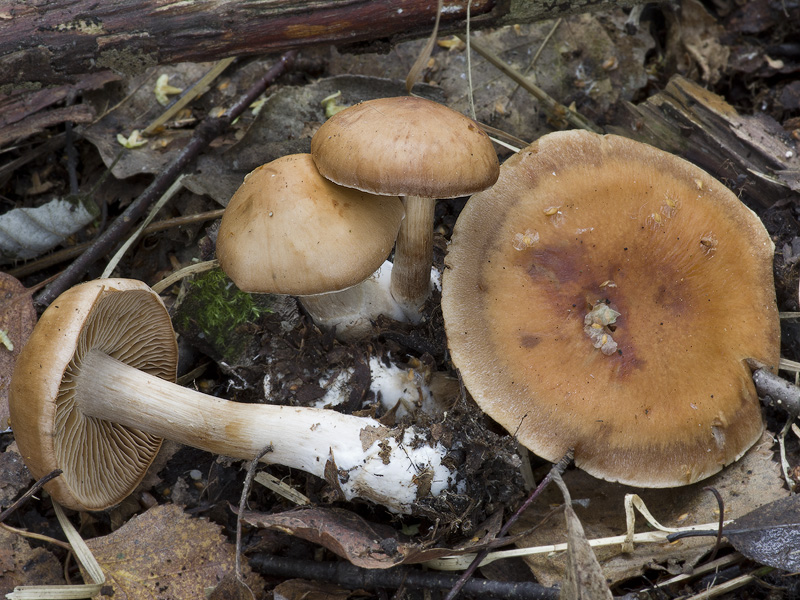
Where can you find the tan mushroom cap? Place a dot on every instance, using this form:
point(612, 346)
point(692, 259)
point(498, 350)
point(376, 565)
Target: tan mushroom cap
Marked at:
point(405, 146)
point(102, 462)
point(578, 221)
point(288, 230)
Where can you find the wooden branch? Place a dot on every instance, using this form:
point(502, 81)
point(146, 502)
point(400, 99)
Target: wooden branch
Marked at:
point(45, 43)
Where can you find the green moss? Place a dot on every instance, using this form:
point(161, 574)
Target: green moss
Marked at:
point(218, 317)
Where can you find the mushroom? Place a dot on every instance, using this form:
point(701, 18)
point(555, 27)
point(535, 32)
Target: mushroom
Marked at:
point(604, 296)
point(288, 230)
point(414, 148)
point(92, 394)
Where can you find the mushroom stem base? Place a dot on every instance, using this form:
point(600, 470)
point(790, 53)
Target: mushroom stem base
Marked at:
point(353, 310)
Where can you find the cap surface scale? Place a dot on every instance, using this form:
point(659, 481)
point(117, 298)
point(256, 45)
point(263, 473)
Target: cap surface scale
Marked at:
point(405, 146)
point(603, 296)
point(288, 230)
point(102, 461)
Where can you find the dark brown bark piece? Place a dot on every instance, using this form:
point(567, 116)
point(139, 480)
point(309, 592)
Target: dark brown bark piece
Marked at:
point(42, 43)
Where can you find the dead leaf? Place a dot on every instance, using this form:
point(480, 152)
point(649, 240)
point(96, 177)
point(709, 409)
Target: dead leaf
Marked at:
point(769, 535)
point(230, 588)
point(365, 544)
point(747, 484)
point(14, 475)
point(344, 533)
point(137, 109)
point(698, 43)
point(165, 553)
point(17, 318)
point(22, 565)
point(583, 579)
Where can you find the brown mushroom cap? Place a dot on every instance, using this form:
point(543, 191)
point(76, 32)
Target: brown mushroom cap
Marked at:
point(579, 221)
point(405, 146)
point(102, 462)
point(288, 230)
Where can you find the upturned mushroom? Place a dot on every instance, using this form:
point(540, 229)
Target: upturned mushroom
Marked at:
point(92, 394)
point(413, 148)
point(288, 230)
point(604, 296)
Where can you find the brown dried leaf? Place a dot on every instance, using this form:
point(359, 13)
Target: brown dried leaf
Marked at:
point(165, 553)
point(14, 475)
point(747, 484)
point(770, 534)
point(230, 588)
point(700, 45)
point(364, 544)
point(583, 579)
point(17, 318)
point(22, 565)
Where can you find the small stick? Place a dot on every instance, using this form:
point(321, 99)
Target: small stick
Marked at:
point(721, 504)
point(204, 134)
point(353, 577)
point(26, 496)
point(781, 391)
point(197, 89)
point(550, 103)
point(248, 482)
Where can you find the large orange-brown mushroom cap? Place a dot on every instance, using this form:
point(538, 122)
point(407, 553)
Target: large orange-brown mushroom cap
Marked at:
point(102, 462)
point(658, 395)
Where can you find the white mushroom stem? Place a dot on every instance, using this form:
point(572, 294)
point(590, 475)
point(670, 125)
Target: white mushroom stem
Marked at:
point(413, 256)
point(359, 454)
point(353, 310)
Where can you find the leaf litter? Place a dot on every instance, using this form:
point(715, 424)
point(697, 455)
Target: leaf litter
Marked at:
point(689, 504)
point(164, 552)
point(745, 485)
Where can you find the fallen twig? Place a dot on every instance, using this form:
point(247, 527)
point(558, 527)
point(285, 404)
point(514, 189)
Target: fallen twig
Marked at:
point(27, 495)
point(352, 577)
point(552, 105)
point(782, 392)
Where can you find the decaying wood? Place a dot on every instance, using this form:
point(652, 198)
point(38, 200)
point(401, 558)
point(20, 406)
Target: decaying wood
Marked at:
point(45, 43)
point(753, 154)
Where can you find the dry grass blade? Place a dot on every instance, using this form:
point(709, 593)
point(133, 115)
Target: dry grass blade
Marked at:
point(67, 592)
point(552, 105)
point(198, 89)
point(425, 53)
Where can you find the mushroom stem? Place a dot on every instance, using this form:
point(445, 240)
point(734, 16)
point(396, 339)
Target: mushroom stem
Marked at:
point(352, 311)
point(413, 256)
point(357, 454)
